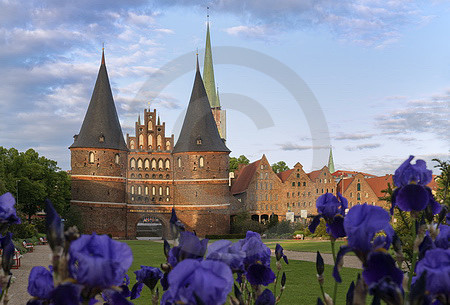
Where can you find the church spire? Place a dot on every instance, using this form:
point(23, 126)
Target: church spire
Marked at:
point(101, 126)
point(208, 72)
point(331, 162)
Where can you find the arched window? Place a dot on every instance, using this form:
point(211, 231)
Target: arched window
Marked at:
point(201, 162)
point(153, 164)
point(179, 161)
point(167, 164)
point(139, 163)
point(358, 187)
point(91, 157)
point(139, 190)
point(167, 191)
point(159, 140)
point(150, 141)
point(132, 190)
point(117, 158)
point(133, 163)
point(150, 125)
point(141, 140)
point(146, 190)
point(160, 191)
point(167, 145)
point(147, 164)
point(132, 144)
point(160, 164)
point(358, 196)
point(153, 190)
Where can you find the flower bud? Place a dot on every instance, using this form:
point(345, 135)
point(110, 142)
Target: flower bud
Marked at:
point(320, 267)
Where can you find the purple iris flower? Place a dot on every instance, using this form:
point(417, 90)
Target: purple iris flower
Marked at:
point(443, 239)
point(190, 246)
point(148, 276)
point(253, 247)
point(332, 209)
point(258, 274)
point(8, 252)
point(411, 193)
point(99, 261)
point(380, 267)
point(54, 226)
point(279, 254)
point(210, 280)
point(266, 298)
point(40, 283)
point(362, 224)
point(125, 290)
point(8, 214)
point(223, 251)
point(436, 263)
point(114, 297)
point(67, 294)
point(417, 173)
point(176, 225)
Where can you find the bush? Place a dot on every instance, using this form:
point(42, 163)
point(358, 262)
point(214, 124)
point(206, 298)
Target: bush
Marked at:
point(281, 228)
point(225, 236)
point(321, 230)
point(23, 231)
point(243, 223)
point(39, 223)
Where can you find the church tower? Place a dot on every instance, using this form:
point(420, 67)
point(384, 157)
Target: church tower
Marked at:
point(98, 162)
point(201, 162)
point(210, 86)
point(331, 162)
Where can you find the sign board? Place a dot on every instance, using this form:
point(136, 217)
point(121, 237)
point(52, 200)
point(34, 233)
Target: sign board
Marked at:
point(290, 216)
point(303, 213)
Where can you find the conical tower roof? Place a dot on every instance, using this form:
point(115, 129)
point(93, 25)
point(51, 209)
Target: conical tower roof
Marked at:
point(331, 162)
point(101, 126)
point(208, 73)
point(199, 131)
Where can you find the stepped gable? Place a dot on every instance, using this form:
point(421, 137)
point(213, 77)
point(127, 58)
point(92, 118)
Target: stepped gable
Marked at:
point(101, 126)
point(245, 177)
point(199, 131)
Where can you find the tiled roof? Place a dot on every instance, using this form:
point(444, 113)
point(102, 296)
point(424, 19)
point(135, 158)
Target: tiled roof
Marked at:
point(101, 127)
point(245, 176)
point(314, 174)
point(284, 175)
point(343, 185)
point(378, 184)
point(343, 173)
point(199, 131)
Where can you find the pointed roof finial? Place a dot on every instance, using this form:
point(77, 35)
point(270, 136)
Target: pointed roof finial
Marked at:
point(198, 66)
point(139, 119)
point(103, 54)
point(207, 14)
point(159, 121)
point(331, 162)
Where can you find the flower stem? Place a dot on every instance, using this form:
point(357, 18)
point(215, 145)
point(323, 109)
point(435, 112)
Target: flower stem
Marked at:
point(276, 282)
point(333, 250)
point(414, 260)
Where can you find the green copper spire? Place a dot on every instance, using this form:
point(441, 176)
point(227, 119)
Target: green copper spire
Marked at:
point(331, 162)
point(208, 73)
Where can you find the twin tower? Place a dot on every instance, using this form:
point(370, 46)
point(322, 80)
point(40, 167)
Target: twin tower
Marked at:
point(117, 184)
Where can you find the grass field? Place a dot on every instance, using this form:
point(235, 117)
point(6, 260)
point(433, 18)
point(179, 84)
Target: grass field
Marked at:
point(301, 284)
point(304, 246)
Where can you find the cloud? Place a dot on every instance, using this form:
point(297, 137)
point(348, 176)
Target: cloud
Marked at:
point(354, 136)
point(428, 115)
point(362, 146)
point(371, 23)
point(291, 146)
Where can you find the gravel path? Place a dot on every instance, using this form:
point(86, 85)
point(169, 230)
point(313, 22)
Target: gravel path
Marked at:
point(18, 293)
point(349, 261)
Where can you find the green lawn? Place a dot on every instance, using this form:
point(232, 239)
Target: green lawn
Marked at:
point(301, 284)
point(304, 246)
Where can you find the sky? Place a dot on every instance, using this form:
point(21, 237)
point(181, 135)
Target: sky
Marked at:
point(369, 78)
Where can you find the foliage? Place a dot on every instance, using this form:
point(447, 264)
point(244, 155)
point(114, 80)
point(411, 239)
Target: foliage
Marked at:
point(443, 181)
point(234, 162)
point(225, 236)
point(283, 227)
point(32, 179)
point(321, 230)
point(23, 230)
point(243, 223)
point(279, 167)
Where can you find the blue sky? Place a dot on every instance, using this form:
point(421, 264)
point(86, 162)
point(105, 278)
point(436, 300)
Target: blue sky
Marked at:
point(377, 72)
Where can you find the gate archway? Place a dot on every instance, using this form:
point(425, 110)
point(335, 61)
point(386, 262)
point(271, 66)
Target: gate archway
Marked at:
point(149, 227)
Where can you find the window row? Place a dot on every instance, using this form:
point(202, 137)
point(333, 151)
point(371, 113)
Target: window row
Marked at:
point(358, 196)
point(201, 162)
point(147, 176)
point(263, 186)
point(92, 158)
point(160, 164)
point(147, 199)
point(268, 207)
point(299, 183)
point(140, 190)
point(266, 197)
point(299, 204)
point(159, 143)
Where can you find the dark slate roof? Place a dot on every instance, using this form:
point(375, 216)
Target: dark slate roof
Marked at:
point(101, 127)
point(199, 125)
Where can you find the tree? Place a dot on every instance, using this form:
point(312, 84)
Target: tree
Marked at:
point(443, 181)
point(279, 167)
point(32, 179)
point(234, 162)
